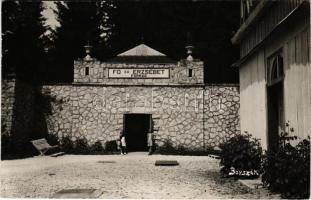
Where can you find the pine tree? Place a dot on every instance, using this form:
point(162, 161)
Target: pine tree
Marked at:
point(81, 23)
point(9, 29)
point(164, 25)
point(22, 33)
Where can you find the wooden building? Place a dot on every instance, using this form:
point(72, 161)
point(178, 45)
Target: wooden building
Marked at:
point(274, 66)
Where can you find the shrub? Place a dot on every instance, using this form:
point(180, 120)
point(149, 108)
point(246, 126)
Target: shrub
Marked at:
point(97, 148)
point(288, 169)
point(67, 144)
point(111, 146)
point(241, 152)
point(81, 146)
point(168, 149)
point(52, 139)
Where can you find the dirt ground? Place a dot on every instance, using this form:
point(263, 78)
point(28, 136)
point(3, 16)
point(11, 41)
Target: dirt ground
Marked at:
point(130, 176)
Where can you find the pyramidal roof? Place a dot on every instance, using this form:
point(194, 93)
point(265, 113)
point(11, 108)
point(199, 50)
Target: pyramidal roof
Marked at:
point(141, 54)
point(142, 50)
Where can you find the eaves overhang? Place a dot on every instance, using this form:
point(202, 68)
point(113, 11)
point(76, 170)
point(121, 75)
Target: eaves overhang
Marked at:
point(252, 18)
point(304, 7)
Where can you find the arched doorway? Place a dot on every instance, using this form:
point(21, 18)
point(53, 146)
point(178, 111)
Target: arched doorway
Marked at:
point(275, 99)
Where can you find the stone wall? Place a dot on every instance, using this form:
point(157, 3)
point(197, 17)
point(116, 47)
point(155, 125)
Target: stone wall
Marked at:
point(7, 103)
point(17, 109)
point(98, 73)
point(193, 117)
point(221, 113)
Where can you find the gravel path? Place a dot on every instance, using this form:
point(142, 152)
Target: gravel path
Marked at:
point(131, 176)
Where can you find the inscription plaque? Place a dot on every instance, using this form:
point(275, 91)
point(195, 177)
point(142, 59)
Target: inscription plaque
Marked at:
point(138, 73)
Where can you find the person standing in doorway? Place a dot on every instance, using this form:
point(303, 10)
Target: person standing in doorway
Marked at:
point(123, 143)
point(149, 142)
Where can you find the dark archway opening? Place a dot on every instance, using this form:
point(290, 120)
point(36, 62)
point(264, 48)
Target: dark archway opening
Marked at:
point(136, 127)
point(275, 115)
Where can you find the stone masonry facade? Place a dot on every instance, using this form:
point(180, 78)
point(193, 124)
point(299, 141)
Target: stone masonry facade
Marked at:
point(221, 113)
point(184, 110)
point(7, 104)
point(98, 73)
point(191, 117)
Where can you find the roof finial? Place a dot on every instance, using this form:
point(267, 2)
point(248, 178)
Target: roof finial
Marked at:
point(142, 39)
point(189, 46)
point(88, 48)
point(189, 52)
